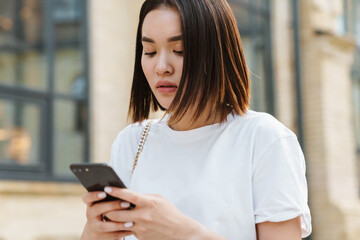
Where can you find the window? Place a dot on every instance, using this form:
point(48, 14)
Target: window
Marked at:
point(356, 96)
point(357, 22)
point(353, 19)
point(253, 18)
point(349, 21)
point(43, 88)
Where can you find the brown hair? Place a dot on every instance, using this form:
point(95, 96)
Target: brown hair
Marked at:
point(214, 69)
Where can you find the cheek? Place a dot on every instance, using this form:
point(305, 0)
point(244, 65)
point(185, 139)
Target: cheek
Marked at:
point(146, 66)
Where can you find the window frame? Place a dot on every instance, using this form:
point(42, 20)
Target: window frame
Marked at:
point(46, 99)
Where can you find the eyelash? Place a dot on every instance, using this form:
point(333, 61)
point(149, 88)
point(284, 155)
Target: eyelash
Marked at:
point(153, 53)
point(150, 54)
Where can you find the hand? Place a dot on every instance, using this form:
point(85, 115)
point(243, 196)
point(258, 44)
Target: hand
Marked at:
point(154, 217)
point(96, 227)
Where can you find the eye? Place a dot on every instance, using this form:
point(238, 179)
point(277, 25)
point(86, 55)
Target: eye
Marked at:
point(179, 52)
point(150, 53)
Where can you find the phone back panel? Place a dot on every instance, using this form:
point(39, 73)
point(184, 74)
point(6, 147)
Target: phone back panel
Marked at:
point(96, 176)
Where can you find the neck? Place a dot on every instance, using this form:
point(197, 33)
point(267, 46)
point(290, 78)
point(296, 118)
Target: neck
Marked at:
point(186, 124)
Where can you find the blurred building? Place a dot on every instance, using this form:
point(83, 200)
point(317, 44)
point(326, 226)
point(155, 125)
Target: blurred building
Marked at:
point(65, 77)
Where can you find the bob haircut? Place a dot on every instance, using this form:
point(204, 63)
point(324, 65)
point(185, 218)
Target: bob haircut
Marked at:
point(214, 76)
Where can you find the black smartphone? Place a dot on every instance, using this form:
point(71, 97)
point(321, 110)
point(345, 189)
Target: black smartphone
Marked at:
point(96, 176)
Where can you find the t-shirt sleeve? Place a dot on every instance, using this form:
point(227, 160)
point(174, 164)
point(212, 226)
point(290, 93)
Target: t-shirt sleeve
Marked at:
point(279, 185)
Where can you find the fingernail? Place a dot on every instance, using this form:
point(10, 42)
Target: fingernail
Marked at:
point(128, 224)
point(126, 235)
point(125, 204)
point(101, 195)
point(108, 189)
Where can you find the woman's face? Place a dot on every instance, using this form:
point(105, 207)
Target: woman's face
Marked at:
point(162, 59)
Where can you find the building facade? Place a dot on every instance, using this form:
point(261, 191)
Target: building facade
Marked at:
point(65, 78)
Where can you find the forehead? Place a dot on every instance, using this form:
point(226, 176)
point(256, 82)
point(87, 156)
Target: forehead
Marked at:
point(160, 22)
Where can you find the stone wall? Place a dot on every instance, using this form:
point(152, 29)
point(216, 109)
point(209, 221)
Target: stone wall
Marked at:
point(283, 56)
point(328, 117)
point(113, 25)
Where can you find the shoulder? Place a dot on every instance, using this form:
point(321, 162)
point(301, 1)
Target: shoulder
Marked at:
point(124, 149)
point(129, 137)
point(132, 133)
point(259, 131)
point(262, 125)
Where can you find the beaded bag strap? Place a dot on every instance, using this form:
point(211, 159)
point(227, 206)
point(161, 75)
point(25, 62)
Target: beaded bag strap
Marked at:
point(141, 144)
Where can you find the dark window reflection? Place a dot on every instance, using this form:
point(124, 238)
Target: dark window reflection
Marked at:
point(68, 138)
point(69, 62)
point(19, 132)
point(22, 57)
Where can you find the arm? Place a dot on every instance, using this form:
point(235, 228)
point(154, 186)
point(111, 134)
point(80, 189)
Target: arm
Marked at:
point(287, 230)
point(280, 189)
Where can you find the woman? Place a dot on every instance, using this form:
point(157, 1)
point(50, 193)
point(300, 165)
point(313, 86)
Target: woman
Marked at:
point(210, 168)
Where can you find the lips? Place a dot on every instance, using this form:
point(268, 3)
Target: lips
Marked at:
point(166, 87)
point(161, 84)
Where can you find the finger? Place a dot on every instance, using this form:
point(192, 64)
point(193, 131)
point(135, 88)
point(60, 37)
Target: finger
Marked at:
point(124, 215)
point(104, 207)
point(108, 227)
point(90, 197)
point(126, 195)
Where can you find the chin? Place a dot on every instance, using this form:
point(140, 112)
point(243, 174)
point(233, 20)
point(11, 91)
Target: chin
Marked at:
point(162, 108)
point(164, 104)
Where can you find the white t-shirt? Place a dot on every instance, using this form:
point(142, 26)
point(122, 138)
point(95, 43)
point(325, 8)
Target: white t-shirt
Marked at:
point(227, 176)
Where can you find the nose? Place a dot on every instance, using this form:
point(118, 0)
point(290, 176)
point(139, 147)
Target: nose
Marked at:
point(164, 66)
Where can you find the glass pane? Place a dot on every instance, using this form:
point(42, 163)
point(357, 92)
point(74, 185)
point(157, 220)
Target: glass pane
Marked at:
point(253, 31)
point(19, 132)
point(343, 19)
point(261, 4)
point(69, 135)
point(239, 2)
point(69, 77)
point(69, 59)
point(254, 54)
point(357, 22)
point(67, 16)
point(249, 22)
point(7, 68)
point(258, 6)
point(241, 15)
point(22, 59)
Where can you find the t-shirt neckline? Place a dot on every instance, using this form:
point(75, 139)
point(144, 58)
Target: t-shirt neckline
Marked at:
point(195, 133)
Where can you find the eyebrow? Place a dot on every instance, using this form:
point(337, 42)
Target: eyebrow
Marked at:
point(172, 39)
